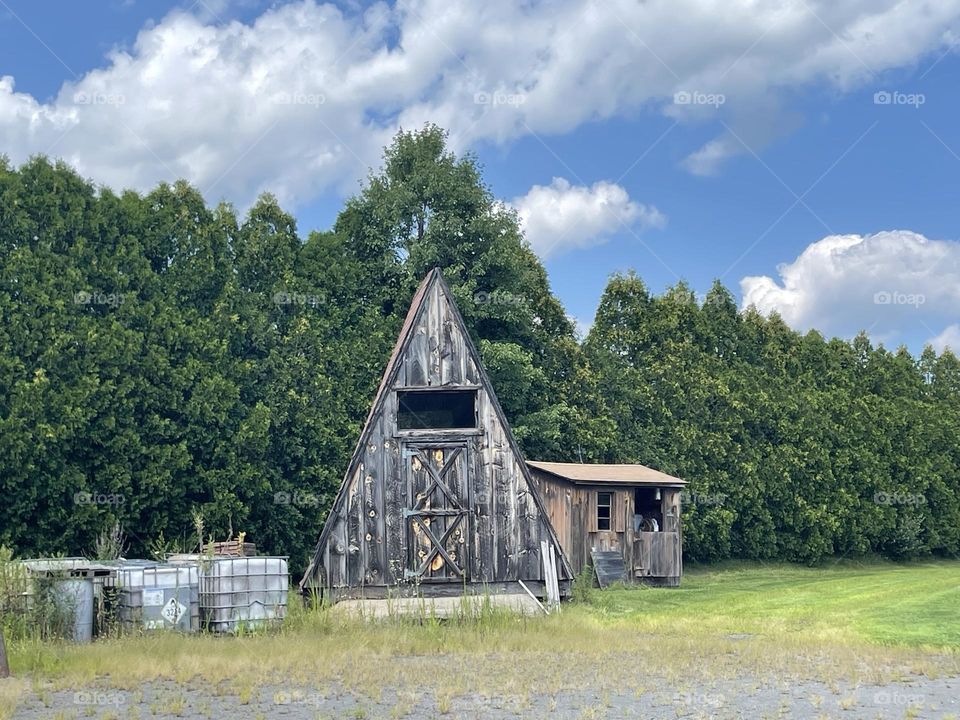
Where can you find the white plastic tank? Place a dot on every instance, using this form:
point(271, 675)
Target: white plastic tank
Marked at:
point(157, 596)
point(243, 592)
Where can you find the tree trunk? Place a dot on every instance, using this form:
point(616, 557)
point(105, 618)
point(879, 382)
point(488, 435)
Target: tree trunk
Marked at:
point(4, 667)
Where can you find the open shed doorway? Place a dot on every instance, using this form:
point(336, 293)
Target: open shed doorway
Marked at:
point(647, 510)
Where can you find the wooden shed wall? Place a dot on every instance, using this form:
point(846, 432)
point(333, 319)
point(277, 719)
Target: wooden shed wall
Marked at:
point(365, 543)
point(573, 510)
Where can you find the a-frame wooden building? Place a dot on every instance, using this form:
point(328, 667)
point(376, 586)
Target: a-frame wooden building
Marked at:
point(437, 500)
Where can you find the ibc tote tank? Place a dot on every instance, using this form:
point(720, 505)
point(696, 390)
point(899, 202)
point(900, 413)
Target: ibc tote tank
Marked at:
point(243, 592)
point(156, 596)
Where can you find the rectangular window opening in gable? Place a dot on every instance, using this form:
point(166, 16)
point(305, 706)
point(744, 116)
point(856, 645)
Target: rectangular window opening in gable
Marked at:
point(436, 409)
point(604, 503)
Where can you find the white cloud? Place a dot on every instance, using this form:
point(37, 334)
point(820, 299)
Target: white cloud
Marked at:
point(235, 107)
point(949, 338)
point(751, 125)
point(889, 283)
point(561, 216)
point(707, 160)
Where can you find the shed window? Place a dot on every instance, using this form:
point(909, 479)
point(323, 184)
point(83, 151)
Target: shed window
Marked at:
point(436, 409)
point(604, 501)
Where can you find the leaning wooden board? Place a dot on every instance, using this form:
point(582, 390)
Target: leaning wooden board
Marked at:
point(609, 566)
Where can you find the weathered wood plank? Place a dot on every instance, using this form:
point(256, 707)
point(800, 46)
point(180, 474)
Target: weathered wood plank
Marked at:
point(416, 365)
point(434, 322)
point(338, 553)
point(419, 543)
point(505, 498)
point(393, 488)
point(372, 513)
point(618, 511)
point(659, 554)
point(458, 527)
point(484, 513)
point(548, 579)
point(609, 567)
point(531, 535)
point(554, 577)
point(355, 545)
point(529, 592)
point(450, 361)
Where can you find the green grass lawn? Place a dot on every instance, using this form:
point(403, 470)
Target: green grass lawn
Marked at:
point(917, 604)
point(874, 622)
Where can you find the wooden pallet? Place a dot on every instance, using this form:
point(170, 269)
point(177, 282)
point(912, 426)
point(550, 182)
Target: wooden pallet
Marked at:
point(231, 548)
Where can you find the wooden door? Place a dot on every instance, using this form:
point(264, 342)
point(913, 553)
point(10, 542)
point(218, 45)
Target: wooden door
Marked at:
point(437, 512)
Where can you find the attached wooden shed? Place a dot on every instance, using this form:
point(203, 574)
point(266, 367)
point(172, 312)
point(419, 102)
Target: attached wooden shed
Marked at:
point(630, 510)
point(437, 499)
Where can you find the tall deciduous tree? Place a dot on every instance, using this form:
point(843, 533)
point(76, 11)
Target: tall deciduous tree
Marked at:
point(429, 208)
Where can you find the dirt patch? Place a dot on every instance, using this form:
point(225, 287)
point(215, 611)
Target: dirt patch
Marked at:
point(918, 697)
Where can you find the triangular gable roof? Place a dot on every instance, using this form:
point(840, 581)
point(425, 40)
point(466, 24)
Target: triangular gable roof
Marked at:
point(434, 277)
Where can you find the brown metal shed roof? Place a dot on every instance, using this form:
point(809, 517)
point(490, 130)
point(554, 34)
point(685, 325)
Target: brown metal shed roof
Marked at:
point(595, 473)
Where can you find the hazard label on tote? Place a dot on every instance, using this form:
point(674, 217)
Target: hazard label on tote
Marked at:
point(173, 611)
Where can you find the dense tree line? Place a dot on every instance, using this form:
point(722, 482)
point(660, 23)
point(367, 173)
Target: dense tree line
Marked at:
point(161, 359)
point(796, 447)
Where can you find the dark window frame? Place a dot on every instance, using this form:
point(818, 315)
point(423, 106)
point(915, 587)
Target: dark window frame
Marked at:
point(442, 409)
point(604, 524)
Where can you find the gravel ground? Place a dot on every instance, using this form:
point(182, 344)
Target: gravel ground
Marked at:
point(742, 698)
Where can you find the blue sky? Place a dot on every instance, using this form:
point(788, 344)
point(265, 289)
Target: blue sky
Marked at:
point(787, 175)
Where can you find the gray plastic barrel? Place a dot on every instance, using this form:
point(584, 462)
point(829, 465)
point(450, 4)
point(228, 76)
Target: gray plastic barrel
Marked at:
point(75, 598)
point(243, 592)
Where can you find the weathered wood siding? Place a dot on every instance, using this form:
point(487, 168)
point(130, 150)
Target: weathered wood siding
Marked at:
point(367, 545)
point(573, 510)
point(658, 555)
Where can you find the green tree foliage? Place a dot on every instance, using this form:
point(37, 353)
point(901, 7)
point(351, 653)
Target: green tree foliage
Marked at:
point(159, 358)
point(428, 208)
point(795, 448)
